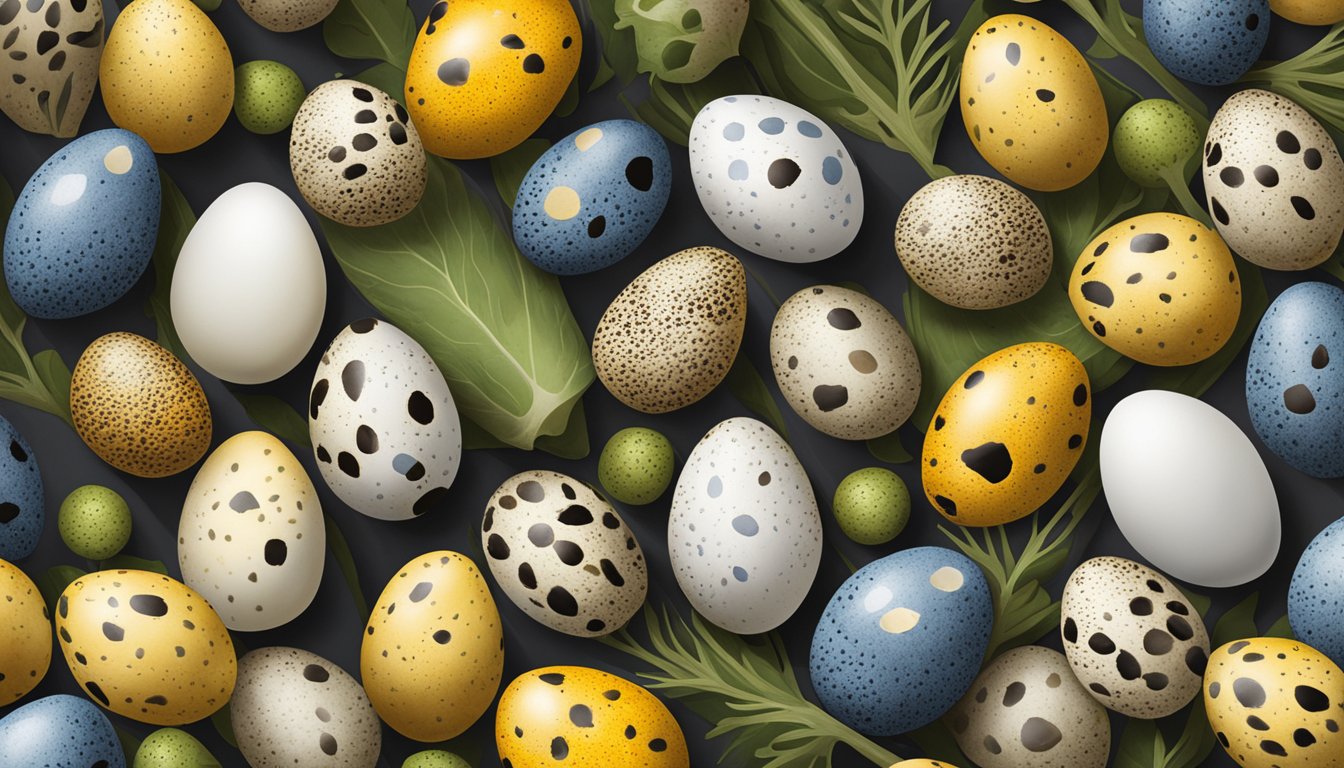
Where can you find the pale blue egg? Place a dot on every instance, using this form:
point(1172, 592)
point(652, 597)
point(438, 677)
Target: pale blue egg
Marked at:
point(1211, 42)
point(84, 227)
point(590, 200)
point(1316, 594)
point(60, 731)
point(21, 498)
point(902, 640)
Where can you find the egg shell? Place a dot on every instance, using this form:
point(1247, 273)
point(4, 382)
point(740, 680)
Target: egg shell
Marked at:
point(65, 65)
point(922, 762)
point(94, 522)
point(292, 707)
point(383, 423)
point(355, 155)
point(1274, 181)
point(21, 497)
point(591, 199)
point(901, 640)
point(287, 15)
point(637, 465)
point(167, 74)
point(1007, 434)
point(1210, 42)
point(974, 242)
point(775, 179)
point(1276, 703)
point(249, 289)
point(266, 96)
point(433, 651)
point(251, 538)
point(744, 533)
point(671, 335)
point(58, 732)
point(1031, 104)
point(1132, 638)
point(587, 719)
point(1160, 288)
point(1315, 607)
point(1294, 390)
point(146, 646)
point(563, 555)
point(138, 407)
point(171, 748)
point(25, 651)
point(844, 363)
point(1188, 490)
point(485, 74)
point(1027, 708)
point(84, 227)
point(1317, 12)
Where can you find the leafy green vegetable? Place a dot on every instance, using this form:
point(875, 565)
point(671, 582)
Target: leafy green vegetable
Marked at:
point(345, 560)
point(671, 108)
point(681, 41)
point(133, 563)
point(1144, 745)
point(498, 327)
point(53, 581)
point(371, 29)
point(277, 417)
point(750, 389)
point(890, 449)
point(509, 168)
point(1314, 78)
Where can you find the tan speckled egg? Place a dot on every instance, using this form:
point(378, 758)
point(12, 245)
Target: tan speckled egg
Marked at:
point(1318, 12)
point(25, 646)
point(146, 646)
point(138, 407)
point(52, 49)
point(974, 242)
point(843, 363)
point(670, 337)
point(433, 651)
point(355, 155)
point(1132, 638)
point(287, 15)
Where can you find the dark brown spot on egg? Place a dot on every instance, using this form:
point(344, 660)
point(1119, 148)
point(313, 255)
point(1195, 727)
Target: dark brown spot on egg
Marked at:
point(1098, 293)
point(497, 547)
point(1287, 143)
point(1303, 207)
point(639, 173)
point(149, 605)
point(782, 173)
point(1311, 699)
point(455, 72)
point(991, 461)
point(843, 319)
point(1232, 176)
point(829, 397)
point(1320, 357)
point(1040, 735)
point(1299, 400)
point(512, 42)
point(534, 64)
point(1312, 159)
point(1266, 175)
point(420, 408)
point(1248, 692)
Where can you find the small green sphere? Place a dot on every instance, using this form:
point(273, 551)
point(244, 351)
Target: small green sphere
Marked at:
point(872, 505)
point(636, 466)
point(266, 96)
point(435, 758)
point(172, 748)
point(95, 522)
point(1154, 135)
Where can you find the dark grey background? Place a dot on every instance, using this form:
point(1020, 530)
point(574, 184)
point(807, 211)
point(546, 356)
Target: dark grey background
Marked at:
point(331, 626)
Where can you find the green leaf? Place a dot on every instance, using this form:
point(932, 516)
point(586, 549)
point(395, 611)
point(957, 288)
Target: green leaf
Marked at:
point(388, 78)
point(1313, 78)
point(129, 743)
point(499, 328)
point(671, 108)
point(619, 51)
point(222, 719)
point(53, 373)
point(936, 741)
point(53, 581)
point(682, 41)
point(1195, 380)
point(573, 442)
point(1196, 739)
point(749, 387)
point(570, 101)
point(175, 222)
point(1237, 623)
point(1281, 628)
point(509, 168)
point(371, 29)
point(345, 560)
point(889, 448)
point(277, 417)
point(1141, 746)
point(1200, 602)
point(133, 563)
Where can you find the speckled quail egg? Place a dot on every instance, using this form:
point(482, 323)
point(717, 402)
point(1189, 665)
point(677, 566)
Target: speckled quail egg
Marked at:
point(1317, 12)
point(1156, 140)
point(287, 15)
point(58, 732)
point(172, 748)
point(25, 647)
point(637, 465)
point(21, 498)
point(94, 522)
point(872, 505)
point(1315, 609)
point(266, 96)
point(1210, 42)
point(53, 48)
point(435, 758)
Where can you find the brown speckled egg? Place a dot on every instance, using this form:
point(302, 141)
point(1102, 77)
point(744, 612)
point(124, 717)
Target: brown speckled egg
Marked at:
point(138, 407)
point(52, 49)
point(287, 15)
point(974, 242)
point(25, 649)
point(355, 155)
point(146, 646)
point(844, 363)
point(670, 337)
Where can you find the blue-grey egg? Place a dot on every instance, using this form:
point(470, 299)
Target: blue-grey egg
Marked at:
point(1316, 593)
point(1210, 42)
point(60, 731)
point(902, 640)
point(84, 226)
point(590, 200)
point(21, 496)
point(1295, 379)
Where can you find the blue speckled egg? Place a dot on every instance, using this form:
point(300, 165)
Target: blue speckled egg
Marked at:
point(21, 497)
point(1211, 42)
point(83, 229)
point(902, 640)
point(1316, 594)
point(592, 199)
point(60, 731)
point(1295, 379)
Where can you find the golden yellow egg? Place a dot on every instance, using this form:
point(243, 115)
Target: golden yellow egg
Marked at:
point(25, 646)
point(485, 74)
point(167, 74)
point(922, 762)
point(1031, 104)
point(1007, 434)
point(1314, 12)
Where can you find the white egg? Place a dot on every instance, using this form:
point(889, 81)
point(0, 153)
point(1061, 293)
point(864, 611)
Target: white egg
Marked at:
point(252, 540)
point(1188, 489)
point(775, 179)
point(249, 289)
point(744, 533)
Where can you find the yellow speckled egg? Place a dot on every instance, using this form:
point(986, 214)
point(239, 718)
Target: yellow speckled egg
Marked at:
point(584, 718)
point(1315, 12)
point(1007, 434)
point(1160, 288)
point(167, 74)
point(485, 74)
point(923, 762)
point(1276, 703)
point(1031, 104)
point(138, 407)
point(433, 651)
point(146, 646)
point(25, 645)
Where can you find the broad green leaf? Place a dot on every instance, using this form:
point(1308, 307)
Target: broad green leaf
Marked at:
point(499, 328)
point(682, 41)
point(53, 581)
point(750, 389)
point(509, 168)
point(570, 101)
point(371, 29)
point(1237, 623)
point(889, 448)
point(671, 108)
point(222, 720)
point(277, 417)
point(1195, 743)
point(175, 222)
point(130, 744)
point(936, 741)
point(1200, 602)
point(53, 373)
point(619, 52)
point(388, 78)
point(1281, 628)
point(345, 560)
point(1141, 746)
point(133, 563)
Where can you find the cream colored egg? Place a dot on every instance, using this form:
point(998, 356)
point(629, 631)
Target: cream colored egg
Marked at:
point(287, 15)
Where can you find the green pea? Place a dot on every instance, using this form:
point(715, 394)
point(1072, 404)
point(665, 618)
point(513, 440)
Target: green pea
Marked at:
point(94, 522)
point(872, 505)
point(172, 748)
point(1153, 137)
point(636, 465)
point(266, 96)
point(435, 758)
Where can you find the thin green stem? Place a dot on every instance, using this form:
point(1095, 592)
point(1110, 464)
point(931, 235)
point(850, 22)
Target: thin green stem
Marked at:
point(1174, 176)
